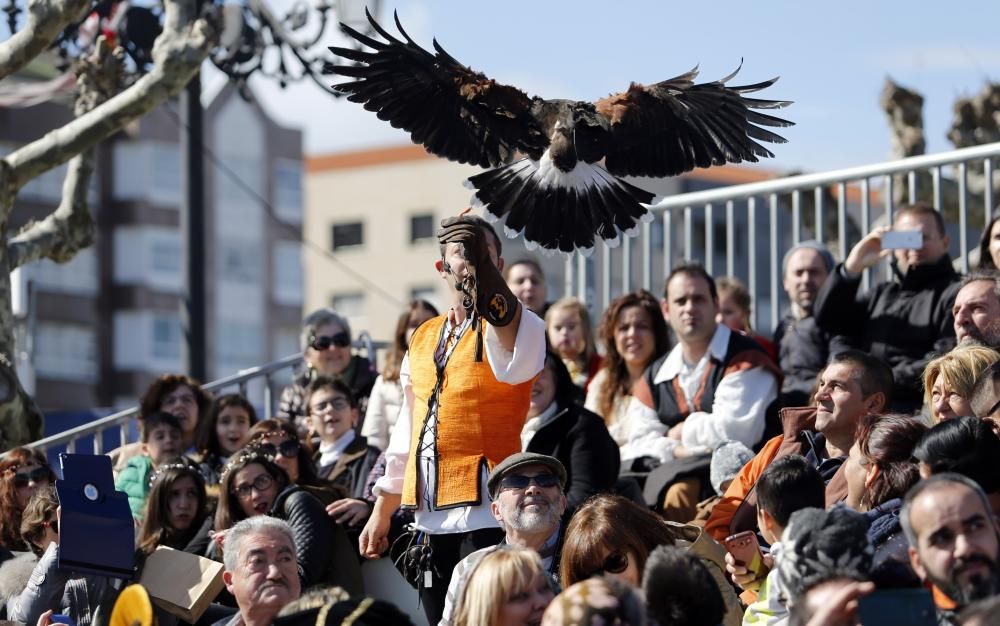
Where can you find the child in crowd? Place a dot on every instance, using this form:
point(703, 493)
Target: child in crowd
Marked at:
point(160, 435)
point(224, 433)
point(567, 325)
point(734, 311)
point(787, 485)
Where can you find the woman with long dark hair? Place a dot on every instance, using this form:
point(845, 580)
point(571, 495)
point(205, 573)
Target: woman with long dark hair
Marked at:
point(278, 439)
point(176, 510)
point(989, 244)
point(223, 433)
point(22, 471)
point(634, 334)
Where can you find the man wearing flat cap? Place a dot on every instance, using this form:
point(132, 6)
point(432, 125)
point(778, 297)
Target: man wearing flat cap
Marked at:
point(467, 378)
point(528, 496)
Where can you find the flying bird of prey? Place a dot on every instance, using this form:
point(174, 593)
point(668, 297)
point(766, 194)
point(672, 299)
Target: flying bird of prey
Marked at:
point(555, 167)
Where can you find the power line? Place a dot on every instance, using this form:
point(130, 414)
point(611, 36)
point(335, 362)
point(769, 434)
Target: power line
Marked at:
point(269, 210)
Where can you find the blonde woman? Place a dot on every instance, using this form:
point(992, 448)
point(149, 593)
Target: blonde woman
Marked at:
point(509, 587)
point(948, 380)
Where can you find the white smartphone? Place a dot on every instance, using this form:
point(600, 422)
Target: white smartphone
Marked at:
point(903, 240)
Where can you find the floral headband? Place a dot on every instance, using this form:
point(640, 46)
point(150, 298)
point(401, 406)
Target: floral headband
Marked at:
point(244, 457)
point(176, 465)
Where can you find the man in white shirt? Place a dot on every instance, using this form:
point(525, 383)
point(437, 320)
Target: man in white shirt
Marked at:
point(715, 385)
point(467, 389)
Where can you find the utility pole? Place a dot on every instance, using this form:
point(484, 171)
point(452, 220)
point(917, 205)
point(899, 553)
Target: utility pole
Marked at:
point(192, 225)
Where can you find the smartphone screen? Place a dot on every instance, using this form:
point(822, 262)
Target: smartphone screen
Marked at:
point(903, 240)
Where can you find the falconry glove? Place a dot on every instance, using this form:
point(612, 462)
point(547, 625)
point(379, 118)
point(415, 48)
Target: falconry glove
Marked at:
point(490, 296)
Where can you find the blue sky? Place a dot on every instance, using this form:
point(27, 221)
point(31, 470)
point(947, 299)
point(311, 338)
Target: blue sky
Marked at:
point(832, 58)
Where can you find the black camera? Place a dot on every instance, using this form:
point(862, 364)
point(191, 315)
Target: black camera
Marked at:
point(96, 530)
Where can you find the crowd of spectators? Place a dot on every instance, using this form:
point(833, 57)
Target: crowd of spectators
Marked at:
point(658, 462)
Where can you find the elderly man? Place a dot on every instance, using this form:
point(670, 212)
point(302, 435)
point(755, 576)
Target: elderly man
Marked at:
point(261, 570)
point(977, 309)
point(954, 541)
point(528, 501)
point(904, 323)
point(803, 347)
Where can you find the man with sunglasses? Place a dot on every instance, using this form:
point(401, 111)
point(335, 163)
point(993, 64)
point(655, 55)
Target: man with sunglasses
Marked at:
point(467, 392)
point(528, 496)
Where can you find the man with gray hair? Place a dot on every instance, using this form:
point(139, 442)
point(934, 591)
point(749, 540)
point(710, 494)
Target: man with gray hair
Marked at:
point(527, 490)
point(803, 347)
point(977, 310)
point(261, 570)
point(954, 541)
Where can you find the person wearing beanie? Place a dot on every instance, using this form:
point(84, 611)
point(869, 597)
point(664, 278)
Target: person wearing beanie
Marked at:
point(727, 461)
point(803, 347)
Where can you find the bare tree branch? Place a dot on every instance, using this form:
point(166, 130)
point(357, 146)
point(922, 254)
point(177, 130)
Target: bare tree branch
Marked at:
point(177, 55)
point(46, 19)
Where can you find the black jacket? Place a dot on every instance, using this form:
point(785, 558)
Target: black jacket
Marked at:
point(581, 442)
point(803, 350)
point(322, 548)
point(352, 468)
point(903, 323)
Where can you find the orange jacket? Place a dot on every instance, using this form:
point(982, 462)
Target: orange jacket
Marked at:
point(479, 419)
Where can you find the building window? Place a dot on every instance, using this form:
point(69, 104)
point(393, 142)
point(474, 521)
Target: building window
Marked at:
point(349, 304)
point(165, 254)
point(66, 352)
point(166, 336)
point(286, 273)
point(239, 262)
point(348, 235)
point(288, 190)
point(421, 228)
point(424, 293)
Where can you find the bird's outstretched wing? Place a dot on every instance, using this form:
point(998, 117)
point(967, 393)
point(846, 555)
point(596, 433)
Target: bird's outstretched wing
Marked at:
point(453, 111)
point(675, 126)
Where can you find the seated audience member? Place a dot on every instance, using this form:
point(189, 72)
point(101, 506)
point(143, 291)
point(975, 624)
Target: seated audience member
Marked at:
point(948, 380)
point(525, 278)
point(509, 587)
point(715, 385)
point(279, 440)
point(982, 613)
point(560, 427)
point(177, 514)
point(223, 433)
point(253, 485)
point(735, 308)
point(567, 326)
point(603, 600)
point(953, 538)
point(679, 590)
point(985, 398)
point(727, 461)
point(904, 323)
point(49, 587)
point(332, 607)
point(261, 570)
point(634, 335)
point(160, 435)
point(22, 472)
point(880, 470)
point(852, 385)
point(967, 446)
point(179, 395)
point(344, 458)
point(387, 394)
point(803, 347)
point(977, 310)
point(326, 351)
point(989, 244)
point(788, 485)
point(823, 550)
point(528, 502)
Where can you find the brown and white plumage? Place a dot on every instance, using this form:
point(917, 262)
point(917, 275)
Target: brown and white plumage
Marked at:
point(566, 187)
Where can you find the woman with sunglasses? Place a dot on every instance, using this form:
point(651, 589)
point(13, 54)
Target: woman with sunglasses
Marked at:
point(22, 471)
point(387, 394)
point(223, 433)
point(253, 484)
point(279, 440)
point(326, 351)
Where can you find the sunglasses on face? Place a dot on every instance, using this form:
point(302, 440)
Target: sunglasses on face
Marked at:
point(338, 404)
point(520, 481)
point(37, 475)
point(261, 483)
point(323, 342)
point(288, 448)
point(614, 563)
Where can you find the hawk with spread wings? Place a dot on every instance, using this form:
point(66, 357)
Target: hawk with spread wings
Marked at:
point(555, 167)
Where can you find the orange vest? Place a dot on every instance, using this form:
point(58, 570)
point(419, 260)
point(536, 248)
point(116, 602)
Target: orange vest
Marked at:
point(479, 419)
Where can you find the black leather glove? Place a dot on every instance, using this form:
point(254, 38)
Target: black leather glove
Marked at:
point(492, 298)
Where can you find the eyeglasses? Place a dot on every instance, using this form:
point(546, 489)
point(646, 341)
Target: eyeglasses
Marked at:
point(37, 475)
point(288, 448)
point(520, 481)
point(323, 342)
point(614, 563)
point(261, 483)
point(338, 404)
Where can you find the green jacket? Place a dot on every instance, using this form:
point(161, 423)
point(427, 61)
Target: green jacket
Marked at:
point(134, 481)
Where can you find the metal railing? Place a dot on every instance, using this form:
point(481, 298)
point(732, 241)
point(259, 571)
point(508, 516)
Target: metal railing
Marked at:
point(743, 241)
point(241, 380)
